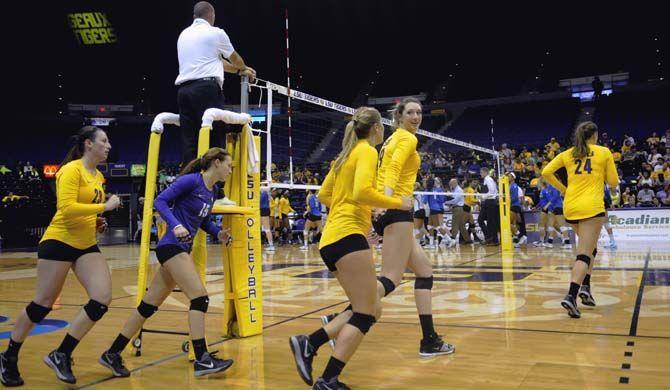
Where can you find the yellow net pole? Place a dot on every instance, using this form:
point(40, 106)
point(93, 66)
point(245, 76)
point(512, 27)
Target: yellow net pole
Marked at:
point(505, 226)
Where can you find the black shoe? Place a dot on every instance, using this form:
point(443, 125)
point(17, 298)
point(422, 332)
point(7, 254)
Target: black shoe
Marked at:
point(570, 305)
point(435, 346)
point(334, 384)
point(209, 364)
point(62, 365)
point(325, 320)
point(9, 371)
point(303, 353)
point(114, 362)
point(586, 297)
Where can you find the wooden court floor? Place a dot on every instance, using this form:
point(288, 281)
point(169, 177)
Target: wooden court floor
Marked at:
point(501, 312)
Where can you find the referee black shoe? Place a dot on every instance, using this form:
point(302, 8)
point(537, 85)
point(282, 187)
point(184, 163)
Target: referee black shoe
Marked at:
point(435, 346)
point(209, 364)
point(303, 353)
point(333, 384)
point(570, 304)
point(9, 371)
point(114, 362)
point(325, 320)
point(62, 366)
point(586, 297)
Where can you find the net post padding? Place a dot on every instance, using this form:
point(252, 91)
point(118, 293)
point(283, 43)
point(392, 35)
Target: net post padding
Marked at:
point(504, 204)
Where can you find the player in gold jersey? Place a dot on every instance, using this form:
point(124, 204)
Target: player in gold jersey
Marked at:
point(69, 243)
point(588, 166)
point(349, 191)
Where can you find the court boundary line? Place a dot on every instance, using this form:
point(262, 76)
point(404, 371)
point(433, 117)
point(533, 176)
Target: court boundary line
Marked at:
point(638, 301)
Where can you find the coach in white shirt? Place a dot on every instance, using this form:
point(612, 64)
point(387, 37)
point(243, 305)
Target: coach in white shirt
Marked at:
point(205, 53)
point(489, 215)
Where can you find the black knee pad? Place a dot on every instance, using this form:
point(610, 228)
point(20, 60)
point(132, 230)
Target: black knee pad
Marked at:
point(36, 313)
point(200, 304)
point(595, 252)
point(585, 258)
point(95, 310)
point(423, 283)
point(388, 284)
point(362, 321)
point(146, 310)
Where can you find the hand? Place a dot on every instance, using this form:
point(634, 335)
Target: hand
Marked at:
point(182, 234)
point(407, 203)
point(224, 236)
point(249, 72)
point(101, 224)
point(112, 203)
point(376, 213)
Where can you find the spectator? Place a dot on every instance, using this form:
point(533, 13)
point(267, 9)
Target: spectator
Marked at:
point(653, 141)
point(653, 156)
point(643, 179)
point(597, 86)
point(629, 139)
point(628, 198)
point(662, 193)
point(666, 201)
point(505, 151)
point(645, 197)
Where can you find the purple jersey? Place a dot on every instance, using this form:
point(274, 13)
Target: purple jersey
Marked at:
point(186, 202)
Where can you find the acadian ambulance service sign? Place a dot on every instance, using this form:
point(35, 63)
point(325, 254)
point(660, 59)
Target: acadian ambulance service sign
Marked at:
point(639, 225)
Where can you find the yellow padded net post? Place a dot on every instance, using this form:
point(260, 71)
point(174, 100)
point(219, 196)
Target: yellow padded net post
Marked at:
point(243, 310)
point(505, 226)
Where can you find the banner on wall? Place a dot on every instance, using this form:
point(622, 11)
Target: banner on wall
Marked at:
point(640, 224)
point(628, 225)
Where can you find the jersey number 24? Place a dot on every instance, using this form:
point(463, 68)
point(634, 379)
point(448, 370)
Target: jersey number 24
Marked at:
point(587, 166)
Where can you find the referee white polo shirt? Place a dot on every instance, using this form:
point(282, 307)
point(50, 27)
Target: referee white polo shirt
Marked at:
point(491, 186)
point(199, 50)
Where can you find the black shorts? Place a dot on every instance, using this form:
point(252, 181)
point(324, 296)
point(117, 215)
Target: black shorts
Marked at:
point(516, 209)
point(60, 251)
point(466, 208)
point(313, 218)
point(390, 217)
point(557, 211)
point(576, 221)
point(420, 214)
point(331, 253)
point(168, 251)
point(265, 212)
point(436, 212)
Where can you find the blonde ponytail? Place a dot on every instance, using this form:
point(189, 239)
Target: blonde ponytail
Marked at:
point(357, 129)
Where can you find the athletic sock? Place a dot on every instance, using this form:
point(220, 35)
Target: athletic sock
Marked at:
point(587, 280)
point(119, 344)
point(199, 348)
point(68, 345)
point(13, 348)
point(318, 338)
point(427, 327)
point(574, 289)
point(333, 369)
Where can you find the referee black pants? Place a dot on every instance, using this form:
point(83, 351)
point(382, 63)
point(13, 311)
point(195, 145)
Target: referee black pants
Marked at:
point(489, 220)
point(193, 98)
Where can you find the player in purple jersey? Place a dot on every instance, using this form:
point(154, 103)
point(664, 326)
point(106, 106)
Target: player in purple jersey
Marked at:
point(185, 206)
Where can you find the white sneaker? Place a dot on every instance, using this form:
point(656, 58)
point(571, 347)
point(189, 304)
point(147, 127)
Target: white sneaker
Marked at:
point(304, 248)
point(429, 247)
point(516, 245)
point(547, 245)
point(224, 202)
point(270, 248)
point(523, 240)
point(538, 243)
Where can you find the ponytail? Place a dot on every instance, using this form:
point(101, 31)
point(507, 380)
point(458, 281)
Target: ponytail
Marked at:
point(203, 163)
point(78, 143)
point(357, 129)
point(583, 132)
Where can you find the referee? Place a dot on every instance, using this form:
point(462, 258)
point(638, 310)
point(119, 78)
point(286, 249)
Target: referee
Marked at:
point(489, 215)
point(205, 53)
